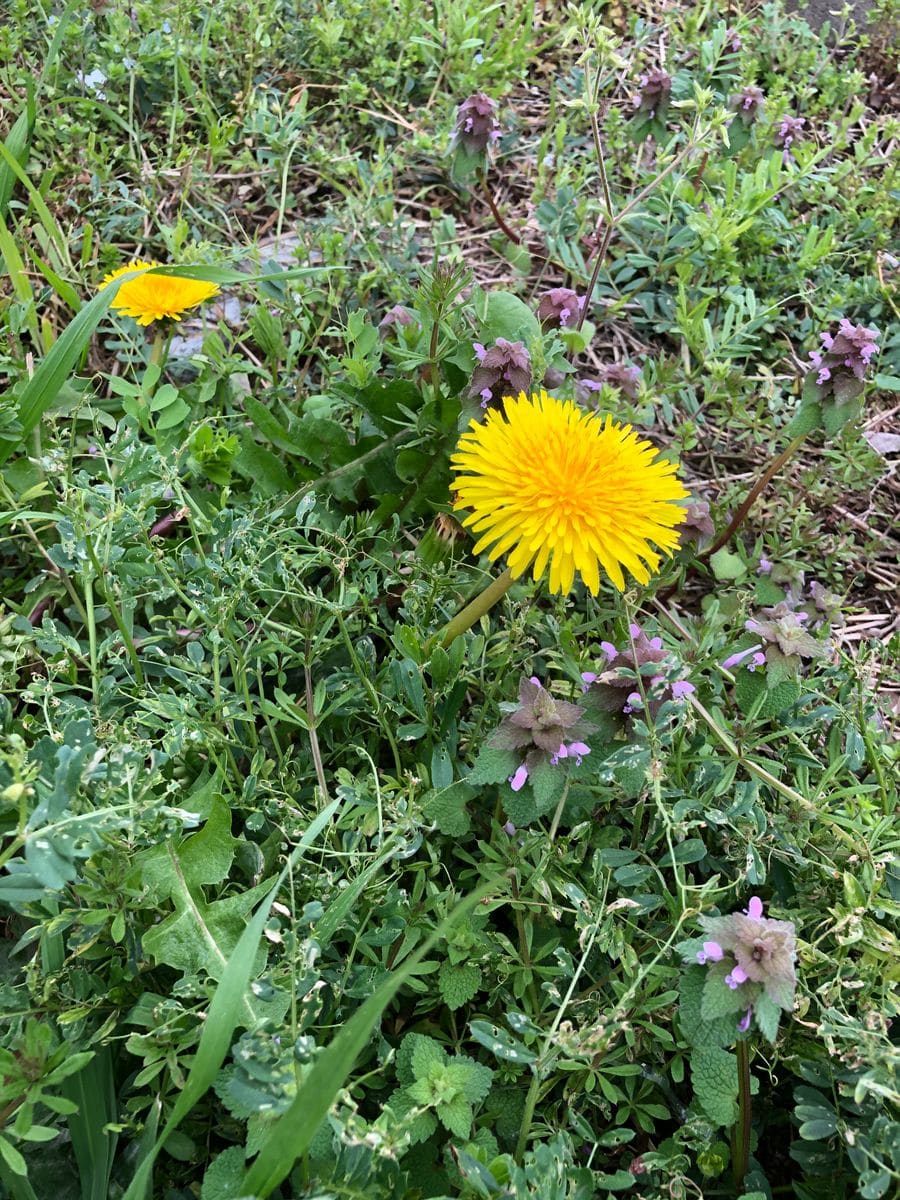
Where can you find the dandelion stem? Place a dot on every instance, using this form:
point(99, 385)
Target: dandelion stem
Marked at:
point(475, 610)
point(741, 1132)
point(156, 349)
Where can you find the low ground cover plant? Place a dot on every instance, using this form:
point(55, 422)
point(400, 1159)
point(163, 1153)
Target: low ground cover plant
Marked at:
point(448, 628)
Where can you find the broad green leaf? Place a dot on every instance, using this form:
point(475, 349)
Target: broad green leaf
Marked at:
point(715, 1082)
point(458, 983)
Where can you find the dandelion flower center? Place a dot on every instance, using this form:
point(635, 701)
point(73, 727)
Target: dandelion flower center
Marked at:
point(150, 298)
point(548, 483)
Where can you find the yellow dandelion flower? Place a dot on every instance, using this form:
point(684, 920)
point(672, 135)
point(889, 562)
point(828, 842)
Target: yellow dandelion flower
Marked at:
point(150, 298)
point(550, 483)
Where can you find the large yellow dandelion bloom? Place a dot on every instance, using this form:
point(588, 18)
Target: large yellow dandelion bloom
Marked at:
point(150, 298)
point(550, 483)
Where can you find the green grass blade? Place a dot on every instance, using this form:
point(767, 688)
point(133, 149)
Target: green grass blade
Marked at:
point(64, 290)
point(16, 149)
point(224, 1011)
point(15, 268)
point(93, 1090)
point(17, 1187)
point(291, 1135)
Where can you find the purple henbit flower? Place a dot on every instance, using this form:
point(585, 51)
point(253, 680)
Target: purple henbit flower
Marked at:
point(764, 566)
point(733, 39)
point(576, 750)
point(696, 525)
point(842, 362)
point(559, 307)
point(783, 635)
point(617, 375)
point(398, 315)
point(734, 660)
point(477, 126)
point(655, 90)
point(749, 103)
point(789, 131)
point(518, 778)
point(509, 829)
point(480, 351)
point(744, 1022)
point(542, 726)
point(504, 370)
point(611, 690)
point(760, 953)
point(711, 952)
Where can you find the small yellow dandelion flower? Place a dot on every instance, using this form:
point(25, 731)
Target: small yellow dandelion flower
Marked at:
point(150, 298)
point(550, 483)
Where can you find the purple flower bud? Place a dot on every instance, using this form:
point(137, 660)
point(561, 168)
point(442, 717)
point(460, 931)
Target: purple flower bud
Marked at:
point(609, 649)
point(842, 364)
point(509, 828)
point(755, 908)
point(578, 750)
point(744, 1023)
point(749, 103)
point(398, 315)
point(503, 370)
point(655, 89)
point(733, 659)
point(480, 351)
point(682, 688)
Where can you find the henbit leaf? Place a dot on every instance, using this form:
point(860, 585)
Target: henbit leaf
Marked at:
point(225, 1012)
point(291, 1134)
point(458, 983)
point(715, 1082)
point(426, 1055)
point(719, 1000)
point(447, 808)
point(493, 766)
point(457, 1116)
point(472, 1078)
point(222, 1179)
point(721, 1032)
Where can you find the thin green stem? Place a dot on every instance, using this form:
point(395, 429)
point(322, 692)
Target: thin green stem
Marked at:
point(92, 639)
point(116, 615)
point(475, 610)
point(554, 824)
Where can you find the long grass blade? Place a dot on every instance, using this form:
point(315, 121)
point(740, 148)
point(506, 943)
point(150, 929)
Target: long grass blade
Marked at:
point(16, 149)
point(93, 1090)
point(290, 1136)
point(225, 1011)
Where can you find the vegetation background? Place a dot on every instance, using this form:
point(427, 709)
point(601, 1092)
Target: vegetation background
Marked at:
point(274, 922)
